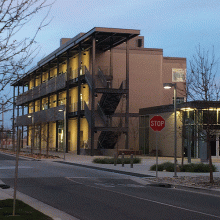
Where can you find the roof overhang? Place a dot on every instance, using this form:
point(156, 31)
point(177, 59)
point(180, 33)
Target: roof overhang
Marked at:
point(106, 38)
point(184, 105)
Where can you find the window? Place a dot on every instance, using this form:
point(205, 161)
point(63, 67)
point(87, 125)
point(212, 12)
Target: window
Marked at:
point(179, 100)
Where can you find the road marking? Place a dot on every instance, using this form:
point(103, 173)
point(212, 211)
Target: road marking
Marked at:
point(192, 191)
point(149, 200)
point(106, 184)
point(13, 167)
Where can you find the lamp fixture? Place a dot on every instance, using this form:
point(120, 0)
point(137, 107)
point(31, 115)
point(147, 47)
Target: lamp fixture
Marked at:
point(167, 85)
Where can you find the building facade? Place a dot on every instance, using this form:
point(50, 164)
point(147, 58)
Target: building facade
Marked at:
point(193, 120)
point(86, 95)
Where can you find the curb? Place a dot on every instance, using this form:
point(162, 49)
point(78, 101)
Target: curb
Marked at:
point(48, 210)
point(105, 169)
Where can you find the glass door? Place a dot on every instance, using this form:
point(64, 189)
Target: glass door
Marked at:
point(214, 143)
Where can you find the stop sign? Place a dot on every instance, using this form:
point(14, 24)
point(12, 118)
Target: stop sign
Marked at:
point(157, 123)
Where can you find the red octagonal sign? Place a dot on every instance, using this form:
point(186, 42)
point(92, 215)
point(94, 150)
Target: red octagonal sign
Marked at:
point(157, 123)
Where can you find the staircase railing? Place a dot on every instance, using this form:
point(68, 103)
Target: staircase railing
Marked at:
point(102, 77)
point(88, 78)
point(88, 114)
point(102, 115)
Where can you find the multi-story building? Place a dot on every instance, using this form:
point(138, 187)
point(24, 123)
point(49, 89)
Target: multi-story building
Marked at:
point(87, 93)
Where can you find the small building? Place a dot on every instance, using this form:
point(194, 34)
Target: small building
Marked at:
point(85, 96)
point(192, 121)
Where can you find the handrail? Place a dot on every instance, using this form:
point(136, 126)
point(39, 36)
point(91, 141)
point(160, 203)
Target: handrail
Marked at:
point(102, 77)
point(88, 78)
point(74, 106)
point(102, 114)
point(88, 114)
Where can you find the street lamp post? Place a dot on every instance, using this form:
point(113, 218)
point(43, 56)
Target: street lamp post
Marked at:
point(64, 132)
point(169, 86)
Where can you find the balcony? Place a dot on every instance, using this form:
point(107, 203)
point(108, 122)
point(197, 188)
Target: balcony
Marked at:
point(52, 114)
point(46, 88)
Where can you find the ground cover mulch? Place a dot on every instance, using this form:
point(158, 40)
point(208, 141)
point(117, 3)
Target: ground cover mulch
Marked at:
point(189, 181)
point(33, 155)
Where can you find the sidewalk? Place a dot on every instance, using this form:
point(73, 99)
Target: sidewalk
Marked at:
point(138, 170)
point(143, 168)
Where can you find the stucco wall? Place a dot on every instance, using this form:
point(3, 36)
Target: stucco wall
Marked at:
point(165, 138)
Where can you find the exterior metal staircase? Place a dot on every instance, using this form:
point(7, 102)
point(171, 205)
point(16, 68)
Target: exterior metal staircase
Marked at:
point(105, 109)
point(107, 106)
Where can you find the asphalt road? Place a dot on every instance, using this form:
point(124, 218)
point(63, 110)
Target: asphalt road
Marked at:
point(92, 194)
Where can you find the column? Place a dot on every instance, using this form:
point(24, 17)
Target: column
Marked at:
point(93, 96)
point(67, 103)
point(79, 101)
point(127, 95)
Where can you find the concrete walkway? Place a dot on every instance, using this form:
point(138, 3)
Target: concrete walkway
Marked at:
point(138, 170)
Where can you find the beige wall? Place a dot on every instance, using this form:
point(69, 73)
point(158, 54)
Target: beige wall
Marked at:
point(165, 138)
point(85, 59)
point(44, 136)
point(73, 94)
point(148, 70)
point(73, 134)
point(85, 128)
point(52, 135)
point(31, 84)
point(44, 76)
point(31, 107)
point(62, 98)
point(53, 101)
point(53, 72)
point(37, 105)
point(168, 64)
point(63, 68)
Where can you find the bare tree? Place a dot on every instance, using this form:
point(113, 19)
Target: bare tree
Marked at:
point(16, 52)
point(202, 85)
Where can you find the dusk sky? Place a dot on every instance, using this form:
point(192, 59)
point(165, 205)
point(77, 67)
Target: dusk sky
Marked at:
point(176, 26)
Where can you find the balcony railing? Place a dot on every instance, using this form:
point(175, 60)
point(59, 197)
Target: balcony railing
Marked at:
point(52, 114)
point(74, 73)
point(74, 107)
point(46, 88)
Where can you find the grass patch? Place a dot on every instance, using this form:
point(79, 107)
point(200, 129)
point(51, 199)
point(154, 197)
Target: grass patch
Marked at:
point(119, 160)
point(192, 167)
point(22, 211)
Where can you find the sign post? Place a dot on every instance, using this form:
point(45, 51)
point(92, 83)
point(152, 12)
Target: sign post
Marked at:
point(157, 123)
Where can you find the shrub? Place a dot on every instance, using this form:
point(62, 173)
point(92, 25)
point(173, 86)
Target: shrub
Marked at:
point(192, 167)
point(119, 160)
point(168, 166)
point(197, 168)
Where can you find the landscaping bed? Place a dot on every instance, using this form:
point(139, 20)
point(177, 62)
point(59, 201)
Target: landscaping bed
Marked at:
point(192, 167)
point(119, 160)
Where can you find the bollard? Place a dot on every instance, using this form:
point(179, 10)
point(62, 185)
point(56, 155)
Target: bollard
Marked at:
point(115, 159)
point(122, 160)
point(131, 161)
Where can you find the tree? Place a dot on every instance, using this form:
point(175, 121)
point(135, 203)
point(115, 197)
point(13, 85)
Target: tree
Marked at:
point(17, 51)
point(202, 86)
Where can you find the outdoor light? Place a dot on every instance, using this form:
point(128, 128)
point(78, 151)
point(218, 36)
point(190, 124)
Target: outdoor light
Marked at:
point(29, 116)
point(168, 86)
